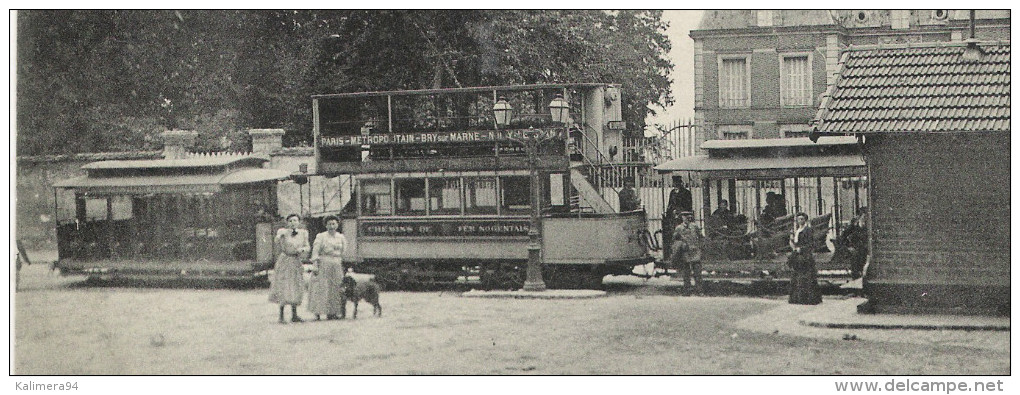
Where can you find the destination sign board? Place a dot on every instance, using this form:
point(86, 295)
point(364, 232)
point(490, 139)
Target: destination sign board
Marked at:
point(437, 137)
point(451, 228)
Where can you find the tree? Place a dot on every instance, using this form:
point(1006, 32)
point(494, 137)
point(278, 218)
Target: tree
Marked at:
point(112, 80)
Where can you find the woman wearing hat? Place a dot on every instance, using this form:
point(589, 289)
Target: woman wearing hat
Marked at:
point(325, 296)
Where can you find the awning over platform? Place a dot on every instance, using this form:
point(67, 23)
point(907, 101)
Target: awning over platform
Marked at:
point(768, 168)
point(201, 183)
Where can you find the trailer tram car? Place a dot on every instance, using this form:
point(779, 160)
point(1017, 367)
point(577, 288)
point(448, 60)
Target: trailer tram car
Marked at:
point(442, 183)
point(825, 179)
point(195, 216)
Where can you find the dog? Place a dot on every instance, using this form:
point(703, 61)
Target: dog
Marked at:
point(354, 291)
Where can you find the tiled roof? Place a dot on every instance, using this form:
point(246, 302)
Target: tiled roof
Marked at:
point(925, 88)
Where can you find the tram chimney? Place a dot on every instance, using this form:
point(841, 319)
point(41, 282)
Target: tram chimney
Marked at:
point(176, 143)
point(266, 141)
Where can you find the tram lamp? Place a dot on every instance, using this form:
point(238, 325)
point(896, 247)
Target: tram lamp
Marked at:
point(559, 109)
point(502, 112)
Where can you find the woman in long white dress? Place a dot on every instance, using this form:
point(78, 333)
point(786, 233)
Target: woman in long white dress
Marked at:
point(325, 296)
point(287, 287)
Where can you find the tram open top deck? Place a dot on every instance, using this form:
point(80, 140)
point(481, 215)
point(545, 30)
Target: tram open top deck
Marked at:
point(368, 132)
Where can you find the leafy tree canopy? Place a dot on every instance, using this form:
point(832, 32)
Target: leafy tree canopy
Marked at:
point(92, 81)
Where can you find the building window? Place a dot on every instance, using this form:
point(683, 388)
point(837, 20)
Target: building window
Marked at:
point(734, 87)
point(940, 15)
point(794, 130)
point(765, 18)
point(900, 19)
point(480, 195)
point(376, 197)
point(734, 132)
point(796, 80)
point(444, 196)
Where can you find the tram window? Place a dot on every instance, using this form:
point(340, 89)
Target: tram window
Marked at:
point(516, 193)
point(95, 209)
point(444, 196)
point(65, 207)
point(121, 207)
point(480, 195)
point(375, 197)
point(410, 196)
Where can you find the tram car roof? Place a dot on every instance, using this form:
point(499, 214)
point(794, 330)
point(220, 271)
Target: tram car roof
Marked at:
point(773, 158)
point(477, 89)
point(195, 174)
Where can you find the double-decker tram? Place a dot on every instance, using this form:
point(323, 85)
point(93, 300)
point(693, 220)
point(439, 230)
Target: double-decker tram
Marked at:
point(750, 191)
point(442, 184)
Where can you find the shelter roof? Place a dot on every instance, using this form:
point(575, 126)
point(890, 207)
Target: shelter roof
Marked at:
point(929, 87)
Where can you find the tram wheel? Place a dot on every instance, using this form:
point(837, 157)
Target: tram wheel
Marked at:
point(503, 275)
point(388, 275)
point(515, 275)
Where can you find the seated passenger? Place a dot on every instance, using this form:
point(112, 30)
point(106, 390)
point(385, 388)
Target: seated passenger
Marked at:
point(721, 222)
point(629, 200)
point(774, 208)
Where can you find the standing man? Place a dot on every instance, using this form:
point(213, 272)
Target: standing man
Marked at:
point(680, 200)
point(687, 239)
point(858, 244)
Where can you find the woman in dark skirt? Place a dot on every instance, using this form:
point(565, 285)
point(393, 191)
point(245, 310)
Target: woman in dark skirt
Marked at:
point(804, 282)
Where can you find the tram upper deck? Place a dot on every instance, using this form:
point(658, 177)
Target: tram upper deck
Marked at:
point(463, 128)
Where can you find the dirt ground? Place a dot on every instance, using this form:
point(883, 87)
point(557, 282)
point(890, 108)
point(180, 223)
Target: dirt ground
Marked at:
point(64, 327)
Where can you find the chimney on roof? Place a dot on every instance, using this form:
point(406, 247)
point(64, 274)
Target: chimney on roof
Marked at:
point(973, 52)
point(973, 22)
point(176, 143)
point(266, 141)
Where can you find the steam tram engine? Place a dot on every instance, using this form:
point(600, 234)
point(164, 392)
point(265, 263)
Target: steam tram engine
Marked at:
point(441, 184)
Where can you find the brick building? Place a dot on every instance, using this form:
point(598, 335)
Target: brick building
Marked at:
point(935, 125)
point(761, 73)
